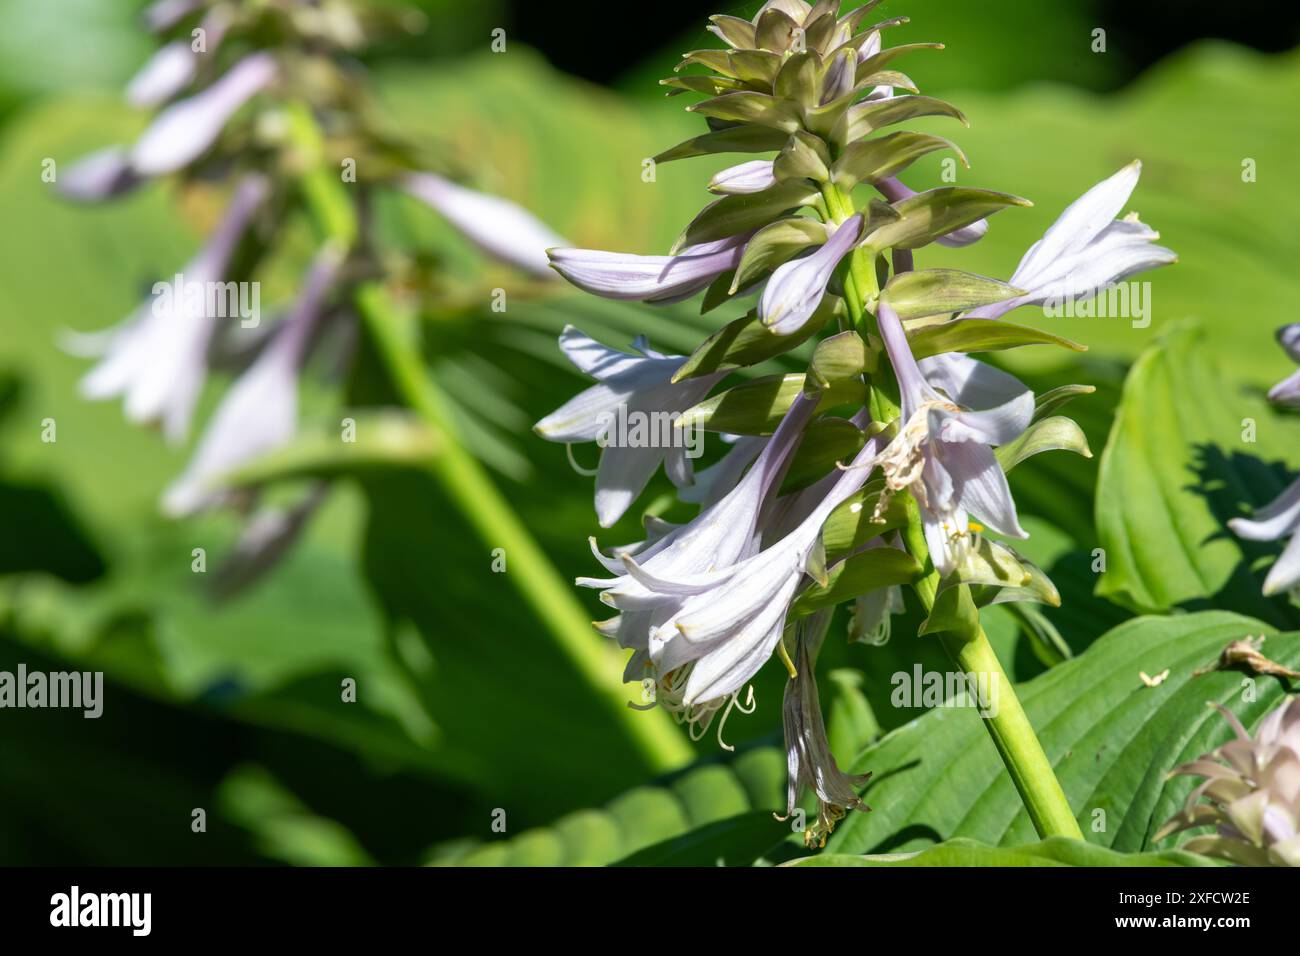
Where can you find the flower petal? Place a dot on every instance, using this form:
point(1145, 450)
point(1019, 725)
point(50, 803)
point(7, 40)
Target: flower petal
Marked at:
point(615, 275)
point(746, 178)
point(168, 71)
point(499, 227)
point(981, 487)
point(969, 382)
point(181, 133)
point(101, 175)
point(996, 426)
point(1277, 519)
point(797, 287)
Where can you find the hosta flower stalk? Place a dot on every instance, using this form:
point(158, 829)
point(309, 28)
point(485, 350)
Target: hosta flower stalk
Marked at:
point(810, 99)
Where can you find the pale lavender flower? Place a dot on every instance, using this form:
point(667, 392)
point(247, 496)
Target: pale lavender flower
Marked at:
point(499, 227)
point(101, 175)
point(726, 532)
point(631, 386)
point(943, 454)
point(892, 188)
point(1287, 392)
point(797, 287)
point(661, 279)
point(809, 761)
point(165, 14)
point(260, 412)
point(168, 71)
point(157, 359)
point(1086, 249)
point(1280, 518)
point(746, 178)
point(725, 622)
point(185, 130)
point(265, 540)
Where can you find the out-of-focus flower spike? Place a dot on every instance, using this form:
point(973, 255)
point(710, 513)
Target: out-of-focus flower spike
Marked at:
point(260, 412)
point(185, 130)
point(796, 288)
point(503, 229)
point(157, 359)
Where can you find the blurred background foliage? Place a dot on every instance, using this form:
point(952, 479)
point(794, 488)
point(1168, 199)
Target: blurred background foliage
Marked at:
point(464, 707)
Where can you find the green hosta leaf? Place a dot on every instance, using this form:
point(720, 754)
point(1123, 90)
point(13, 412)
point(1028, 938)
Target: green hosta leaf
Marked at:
point(980, 335)
point(866, 118)
point(936, 212)
point(741, 139)
point(757, 407)
point(869, 161)
point(839, 358)
point(736, 214)
point(824, 443)
point(746, 106)
point(869, 571)
point(918, 294)
point(1057, 851)
point(747, 341)
point(712, 812)
point(384, 439)
point(774, 245)
point(1177, 466)
point(1111, 739)
point(1046, 434)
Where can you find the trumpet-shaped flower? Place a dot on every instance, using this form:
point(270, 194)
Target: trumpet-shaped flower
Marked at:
point(746, 178)
point(796, 288)
point(185, 130)
point(809, 762)
point(628, 387)
point(1280, 518)
point(724, 623)
point(157, 360)
point(1287, 392)
point(168, 72)
point(1086, 249)
point(943, 454)
point(617, 275)
point(502, 229)
point(260, 412)
point(101, 175)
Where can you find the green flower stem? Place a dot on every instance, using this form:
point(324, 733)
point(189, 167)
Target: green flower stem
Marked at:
point(467, 483)
point(1012, 734)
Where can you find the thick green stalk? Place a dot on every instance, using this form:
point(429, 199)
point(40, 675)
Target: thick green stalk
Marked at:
point(1012, 733)
point(1008, 725)
point(467, 483)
